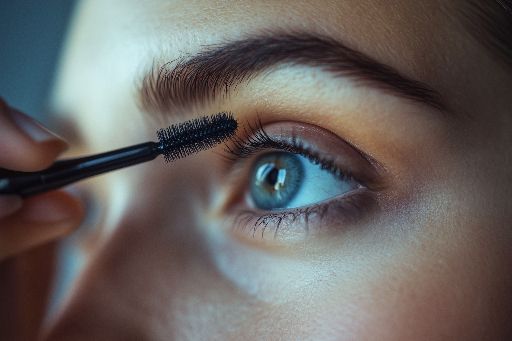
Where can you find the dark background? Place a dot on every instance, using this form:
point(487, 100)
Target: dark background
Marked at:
point(31, 37)
point(32, 34)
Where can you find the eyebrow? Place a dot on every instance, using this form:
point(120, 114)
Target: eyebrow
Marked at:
point(218, 69)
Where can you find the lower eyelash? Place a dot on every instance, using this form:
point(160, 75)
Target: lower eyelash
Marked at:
point(344, 210)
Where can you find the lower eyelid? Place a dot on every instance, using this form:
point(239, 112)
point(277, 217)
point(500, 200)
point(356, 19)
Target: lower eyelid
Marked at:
point(294, 225)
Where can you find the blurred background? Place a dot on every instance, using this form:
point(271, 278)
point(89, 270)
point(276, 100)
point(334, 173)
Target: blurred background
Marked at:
point(31, 35)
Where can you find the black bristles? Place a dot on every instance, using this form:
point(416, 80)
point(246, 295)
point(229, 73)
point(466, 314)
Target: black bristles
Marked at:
point(183, 139)
point(175, 142)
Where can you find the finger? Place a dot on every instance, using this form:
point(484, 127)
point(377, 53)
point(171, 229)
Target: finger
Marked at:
point(9, 204)
point(41, 219)
point(26, 145)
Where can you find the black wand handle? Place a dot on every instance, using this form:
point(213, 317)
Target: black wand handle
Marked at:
point(65, 172)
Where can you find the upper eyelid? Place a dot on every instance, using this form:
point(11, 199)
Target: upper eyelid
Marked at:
point(335, 156)
point(244, 151)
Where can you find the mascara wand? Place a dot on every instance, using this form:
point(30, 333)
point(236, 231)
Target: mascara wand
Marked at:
point(175, 142)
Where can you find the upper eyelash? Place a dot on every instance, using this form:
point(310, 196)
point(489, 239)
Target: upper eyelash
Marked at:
point(257, 139)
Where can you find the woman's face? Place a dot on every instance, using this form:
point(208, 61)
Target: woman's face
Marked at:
point(373, 202)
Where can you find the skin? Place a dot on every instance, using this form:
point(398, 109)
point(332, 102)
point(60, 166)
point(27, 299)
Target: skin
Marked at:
point(432, 264)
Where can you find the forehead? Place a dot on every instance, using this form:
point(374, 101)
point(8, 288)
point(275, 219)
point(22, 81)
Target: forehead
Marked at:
point(418, 29)
point(125, 34)
point(117, 40)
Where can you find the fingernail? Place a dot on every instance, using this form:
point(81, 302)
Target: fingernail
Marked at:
point(32, 128)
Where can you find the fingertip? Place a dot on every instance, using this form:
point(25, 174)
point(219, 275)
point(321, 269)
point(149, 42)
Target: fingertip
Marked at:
point(26, 157)
point(56, 207)
point(26, 145)
point(42, 218)
point(41, 155)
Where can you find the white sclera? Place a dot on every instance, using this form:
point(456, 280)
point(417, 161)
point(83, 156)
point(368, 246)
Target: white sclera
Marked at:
point(319, 185)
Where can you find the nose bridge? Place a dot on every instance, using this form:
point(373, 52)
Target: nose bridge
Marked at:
point(130, 284)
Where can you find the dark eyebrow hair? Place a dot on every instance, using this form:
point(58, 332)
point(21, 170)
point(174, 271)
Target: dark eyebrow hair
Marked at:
point(218, 69)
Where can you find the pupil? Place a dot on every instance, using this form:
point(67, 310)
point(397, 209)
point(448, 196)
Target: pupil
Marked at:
point(272, 177)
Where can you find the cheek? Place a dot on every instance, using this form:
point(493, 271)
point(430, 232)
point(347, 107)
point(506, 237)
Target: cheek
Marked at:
point(459, 290)
point(160, 274)
point(147, 266)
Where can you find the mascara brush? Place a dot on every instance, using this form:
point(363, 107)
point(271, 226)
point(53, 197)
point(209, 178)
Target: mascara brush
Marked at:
point(175, 142)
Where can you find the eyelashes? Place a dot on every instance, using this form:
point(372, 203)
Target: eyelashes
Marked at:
point(329, 153)
point(257, 139)
point(304, 221)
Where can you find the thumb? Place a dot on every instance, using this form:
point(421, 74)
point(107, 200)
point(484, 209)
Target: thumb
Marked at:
point(25, 145)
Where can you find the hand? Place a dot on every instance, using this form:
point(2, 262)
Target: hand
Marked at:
point(27, 146)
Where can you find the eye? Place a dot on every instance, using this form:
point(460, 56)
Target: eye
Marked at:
point(283, 180)
point(295, 178)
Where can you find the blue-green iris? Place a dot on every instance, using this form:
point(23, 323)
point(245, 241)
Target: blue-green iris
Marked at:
point(276, 179)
